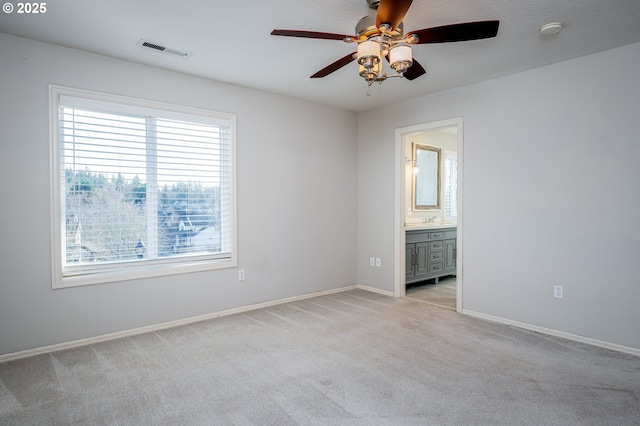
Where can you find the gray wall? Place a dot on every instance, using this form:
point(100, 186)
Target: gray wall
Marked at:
point(551, 194)
point(296, 200)
point(550, 197)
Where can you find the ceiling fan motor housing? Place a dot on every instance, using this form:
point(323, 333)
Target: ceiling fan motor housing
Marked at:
point(366, 27)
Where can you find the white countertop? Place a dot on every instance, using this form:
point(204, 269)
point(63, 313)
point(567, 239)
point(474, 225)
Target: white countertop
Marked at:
point(423, 226)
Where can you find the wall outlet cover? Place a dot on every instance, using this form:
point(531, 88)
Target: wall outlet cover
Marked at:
point(558, 292)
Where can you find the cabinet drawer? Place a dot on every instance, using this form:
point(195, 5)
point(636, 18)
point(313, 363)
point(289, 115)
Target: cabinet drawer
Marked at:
point(436, 256)
point(436, 245)
point(416, 236)
point(436, 267)
point(436, 235)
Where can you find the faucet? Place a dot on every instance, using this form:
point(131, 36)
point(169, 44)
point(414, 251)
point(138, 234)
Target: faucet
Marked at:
point(431, 219)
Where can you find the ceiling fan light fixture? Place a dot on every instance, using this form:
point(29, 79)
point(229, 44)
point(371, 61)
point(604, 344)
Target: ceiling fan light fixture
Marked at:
point(368, 54)
point(400, 58)
point(372, 74)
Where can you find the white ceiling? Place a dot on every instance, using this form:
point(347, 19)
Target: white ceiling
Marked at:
point(230, 41)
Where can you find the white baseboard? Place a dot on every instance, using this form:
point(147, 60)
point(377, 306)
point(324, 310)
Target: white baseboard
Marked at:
point(156, 327)
point(556, 333)
point(375, 290)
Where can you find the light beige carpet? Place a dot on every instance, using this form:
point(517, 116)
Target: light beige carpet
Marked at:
point(352, 358)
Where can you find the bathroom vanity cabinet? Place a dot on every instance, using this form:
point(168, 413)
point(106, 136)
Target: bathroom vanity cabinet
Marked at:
point(430, 253)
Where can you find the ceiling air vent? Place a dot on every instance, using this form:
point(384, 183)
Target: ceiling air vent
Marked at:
point(164, 49)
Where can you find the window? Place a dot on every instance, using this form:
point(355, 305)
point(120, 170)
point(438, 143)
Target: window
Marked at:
point(451, 184)
point(139, 188)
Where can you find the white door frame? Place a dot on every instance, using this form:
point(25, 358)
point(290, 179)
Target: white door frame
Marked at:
point(400, 204)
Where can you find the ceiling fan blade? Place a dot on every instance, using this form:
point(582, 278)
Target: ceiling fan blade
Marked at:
point(310, 34)
point(334, 66)
point(392, 12)
point(414, 71)
point(457, 32)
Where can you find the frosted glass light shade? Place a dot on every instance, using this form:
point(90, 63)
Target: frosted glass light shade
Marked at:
point(400, 57)
point(362, 70)
point(368, 50)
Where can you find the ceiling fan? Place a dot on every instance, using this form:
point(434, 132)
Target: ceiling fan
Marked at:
point(381, 35)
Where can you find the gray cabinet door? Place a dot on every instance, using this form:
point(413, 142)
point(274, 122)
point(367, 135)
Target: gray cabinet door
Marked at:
point(409, 259)
point(422, 259)
point(450, 255)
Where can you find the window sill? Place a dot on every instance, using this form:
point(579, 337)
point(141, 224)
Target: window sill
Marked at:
point(142, 272)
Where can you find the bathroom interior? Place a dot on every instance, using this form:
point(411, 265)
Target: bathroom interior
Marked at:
point(431, 214)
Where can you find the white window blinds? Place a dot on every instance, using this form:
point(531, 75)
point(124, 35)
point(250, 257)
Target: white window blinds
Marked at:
point(142, 187)
point(451, 184)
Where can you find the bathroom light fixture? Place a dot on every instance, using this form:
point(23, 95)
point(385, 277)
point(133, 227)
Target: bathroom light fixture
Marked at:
point(551, 28)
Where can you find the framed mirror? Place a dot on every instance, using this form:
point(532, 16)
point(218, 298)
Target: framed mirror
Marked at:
point(426, 177)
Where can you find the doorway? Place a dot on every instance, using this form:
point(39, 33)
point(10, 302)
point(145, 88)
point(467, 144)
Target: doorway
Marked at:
point(446, 135)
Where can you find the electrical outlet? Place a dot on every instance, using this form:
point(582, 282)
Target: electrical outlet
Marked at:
point(558, 292)
point(372, 261)
point(378, 262)
point(241, 274)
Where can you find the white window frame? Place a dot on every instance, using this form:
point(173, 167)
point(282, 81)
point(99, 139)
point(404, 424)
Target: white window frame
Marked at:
point(149, 269)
